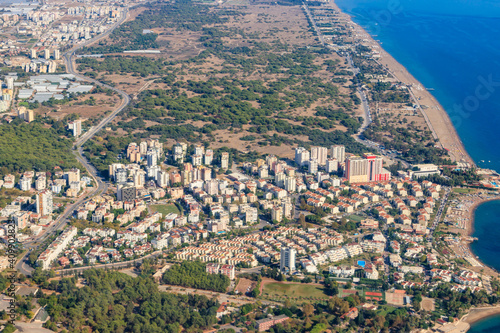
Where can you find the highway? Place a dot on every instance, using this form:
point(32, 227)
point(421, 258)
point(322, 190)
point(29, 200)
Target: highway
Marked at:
point(22, 266)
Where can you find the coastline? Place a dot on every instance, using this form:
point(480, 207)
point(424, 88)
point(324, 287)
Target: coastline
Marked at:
point(440, 124)
point(478, 314)
point(470, 230)
point(434, 114)
point(470, 225)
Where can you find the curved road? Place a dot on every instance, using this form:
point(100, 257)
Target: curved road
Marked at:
point(22, 266)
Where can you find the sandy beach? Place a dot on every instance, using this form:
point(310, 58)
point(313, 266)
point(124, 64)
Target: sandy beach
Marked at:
point(477, 314)
point(470, 230)
point(434, 114)
point(436, 117)
point(441, 126)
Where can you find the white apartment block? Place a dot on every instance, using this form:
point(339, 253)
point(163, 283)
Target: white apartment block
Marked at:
point(55, 249)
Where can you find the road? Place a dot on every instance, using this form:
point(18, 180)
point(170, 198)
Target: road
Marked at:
point(311, 19)
point(440, 210)
point(113, 265)
point(101, 186)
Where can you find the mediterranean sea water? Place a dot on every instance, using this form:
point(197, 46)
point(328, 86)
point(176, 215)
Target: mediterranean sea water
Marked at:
point(451, 46)
point(487, 325)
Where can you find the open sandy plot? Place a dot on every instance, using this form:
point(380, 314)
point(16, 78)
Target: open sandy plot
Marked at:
point(427, 304)
point(245, 285)
point(102, 104)
point(395, 298)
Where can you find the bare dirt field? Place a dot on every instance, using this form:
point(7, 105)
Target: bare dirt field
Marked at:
point(103, 103)
point(245, 285)
point(395, 298)
point(427, 304)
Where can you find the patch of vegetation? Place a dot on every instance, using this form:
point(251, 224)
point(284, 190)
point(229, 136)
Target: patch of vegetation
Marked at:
point(192, 274)
point(294, 290)
point(115, 302)
point(32, 147)
point(165, 209)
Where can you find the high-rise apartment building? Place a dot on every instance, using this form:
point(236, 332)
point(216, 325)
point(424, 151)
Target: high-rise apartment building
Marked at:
point(320, 154)
point(338, 152)
point(76, 127)
point(287, 260)
point(209, 156)
point(332, 165)
point(356, 169)
point(224, 161)
point(152, 158)
point(313, 166)
point(302, 156)
point(290, 184)
point(365, 169)
point(44, 204)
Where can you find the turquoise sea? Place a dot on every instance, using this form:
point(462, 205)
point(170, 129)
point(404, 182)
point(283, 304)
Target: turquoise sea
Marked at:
point(487, 325)
point(453, 47)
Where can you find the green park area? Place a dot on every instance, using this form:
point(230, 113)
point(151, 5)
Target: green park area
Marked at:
point(165, 209)
point(355, 218)
point(463, 190)
point(294, 291)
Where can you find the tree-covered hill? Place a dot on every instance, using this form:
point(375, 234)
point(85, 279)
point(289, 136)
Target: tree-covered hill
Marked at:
point(33, 147)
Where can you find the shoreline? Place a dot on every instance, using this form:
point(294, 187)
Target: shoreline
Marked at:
point(440, 124)
point(435, 116)
point(470, 230)
point(473, 208)
point(478, 314)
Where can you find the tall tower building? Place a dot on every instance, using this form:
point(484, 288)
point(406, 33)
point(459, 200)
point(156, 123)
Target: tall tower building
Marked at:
point(9, 80)
point(224, 161)
point(332, 165)
point(46, 54)
point(375, 169)
point(178, 153)
point(290, 184)
point(139, 178)
point(151, 157)
point(338, 152)
point(287, 260)
point(356, 170)
point(199, 150)
point(302, 156)
point(25, 184)
point(209, 156)
point(162, 179)
point(320, 154)
point(76, 127)
point(33, 54)
point(121, 175)
point(279, 179)
point(313, 166)
point(57, 54)
point(143, 147)
point(44, 203)
point(196, 160)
